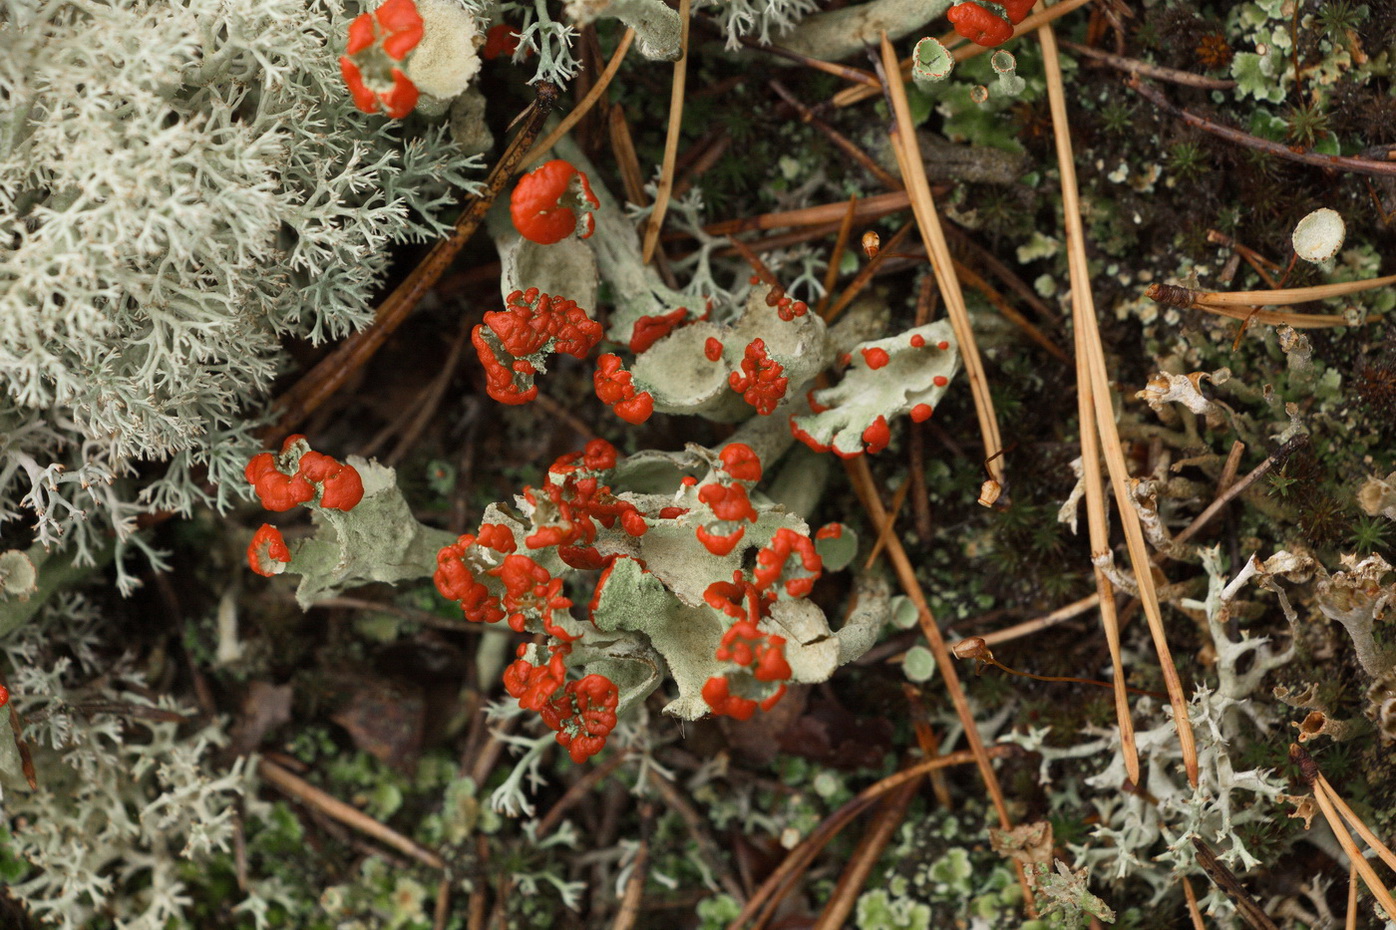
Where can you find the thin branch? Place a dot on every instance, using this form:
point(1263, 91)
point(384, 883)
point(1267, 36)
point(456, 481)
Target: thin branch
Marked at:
point(865, 274)
point(1278, 149)
point(856, 75)
point(841, 142)
point(831, 270)
point(1038, 624)
point(860, 476)
point(1158, 72)
point(869, 208)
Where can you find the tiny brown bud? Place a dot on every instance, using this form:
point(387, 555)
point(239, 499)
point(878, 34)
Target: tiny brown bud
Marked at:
point(972, 648)
point(1308, 768)
point(872, 242)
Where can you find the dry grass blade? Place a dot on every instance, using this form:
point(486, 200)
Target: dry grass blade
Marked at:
point(671, 141)
point(1291, 295)
point(589, 101)
point(1350, 920)
point(1355, 857)
point(904, 144)
point(860, 476)
point(1358, 824)
point(1279, 317)
point(1095, 385)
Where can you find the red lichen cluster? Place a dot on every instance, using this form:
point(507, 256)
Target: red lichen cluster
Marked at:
point(267, 554)
point(572, 501)
point(748, 601)
point(500, 41)
point(338, 485)
point(616, 388)
point(760, 381)
point(727, 499)
point(650, 329)
point(298, 475)
point(377, 41)
point(512, 342)
point(582, 716)
point(546, 202)
point(985, 27)
point(787, 308)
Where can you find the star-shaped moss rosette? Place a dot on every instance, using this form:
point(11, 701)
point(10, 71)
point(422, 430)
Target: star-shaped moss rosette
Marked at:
point(902, 375)
point(728, 372)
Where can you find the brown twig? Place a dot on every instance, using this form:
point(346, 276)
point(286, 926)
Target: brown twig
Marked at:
point(697, 824)
point(629, 911)
point(1037, 624)
point(770, 893)
point(841, 142)
point(330, 374)
point(1158, 72)
point(1231, 491)
point(632, 179)
point(831, 271)
point(576, 792)
point(856, 75)
point(583, 108)
point(303, 791)
point(869, 208)
point(1279, 149)
point(865, 274)
point(885, 531)
point(1011, 314)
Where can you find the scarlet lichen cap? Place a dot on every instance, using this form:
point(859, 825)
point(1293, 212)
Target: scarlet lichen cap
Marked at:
point(980, 25)
point(760, 382)
point(501, 40)
point(615, 386)
point(377, 41)
point(339, 485)
point(268, 554)
point(552, 202)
